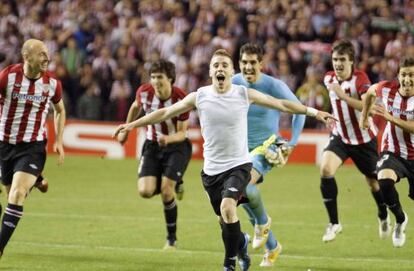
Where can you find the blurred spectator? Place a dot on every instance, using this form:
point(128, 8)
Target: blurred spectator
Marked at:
point(313, 93)
point(72, 57)
point(89, 105)
point(121, 93)
point(131, 34)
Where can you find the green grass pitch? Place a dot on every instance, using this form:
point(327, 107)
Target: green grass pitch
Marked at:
point(92, 219)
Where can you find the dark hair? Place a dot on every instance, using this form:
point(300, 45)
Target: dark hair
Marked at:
point(163, 66)
point(222, 52)
point(344, 47)
point(252, 49)
point(407, 62)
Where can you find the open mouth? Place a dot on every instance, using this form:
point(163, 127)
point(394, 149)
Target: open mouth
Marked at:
point(220, 78)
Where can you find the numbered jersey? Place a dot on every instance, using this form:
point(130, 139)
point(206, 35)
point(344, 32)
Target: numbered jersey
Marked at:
point(395, 139)
point(347, 127)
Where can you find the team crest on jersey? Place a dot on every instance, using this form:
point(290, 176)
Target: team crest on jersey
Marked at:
point(46, 88)
point(16, 85)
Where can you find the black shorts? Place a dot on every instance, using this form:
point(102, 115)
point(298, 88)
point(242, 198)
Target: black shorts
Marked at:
point(25, 157)
point(170, 161)
point(402, 167)
point(229, 184)
point(365, 156)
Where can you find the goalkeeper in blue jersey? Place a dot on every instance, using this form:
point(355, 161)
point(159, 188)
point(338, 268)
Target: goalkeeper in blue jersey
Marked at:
point(265, 146)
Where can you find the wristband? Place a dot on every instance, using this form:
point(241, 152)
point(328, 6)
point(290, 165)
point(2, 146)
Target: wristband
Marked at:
point(312, 112)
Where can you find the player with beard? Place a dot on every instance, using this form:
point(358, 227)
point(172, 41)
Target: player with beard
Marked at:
point(394, 101)
point(263, 129)
point(222, 108)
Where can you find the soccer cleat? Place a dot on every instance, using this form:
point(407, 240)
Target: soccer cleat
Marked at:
point(170, 245)
point(229, 268)
point(271, 256)
point(179, 190)
point(261, 234)
point(331, 231)
point(243, 255)
point(398, 235)
point(43, 185)
point(384, 227)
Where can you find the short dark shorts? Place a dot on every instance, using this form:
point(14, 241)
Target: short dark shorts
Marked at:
point(365, 156)
point(402, 167)
point(25, 157)
point(170, 161)
point(229, 184)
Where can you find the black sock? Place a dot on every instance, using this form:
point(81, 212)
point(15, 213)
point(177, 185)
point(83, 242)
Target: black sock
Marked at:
point(411, 189)
point(329, 193)
point(170, 213)
point(232, 237)
point(382, 207)
point(392, 199)
point(11, 217)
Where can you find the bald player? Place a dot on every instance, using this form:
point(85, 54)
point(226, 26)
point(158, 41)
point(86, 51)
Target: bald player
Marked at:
point(26, 92)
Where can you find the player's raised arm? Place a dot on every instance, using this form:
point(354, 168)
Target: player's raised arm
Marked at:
point(288, 106)
point(160, 115)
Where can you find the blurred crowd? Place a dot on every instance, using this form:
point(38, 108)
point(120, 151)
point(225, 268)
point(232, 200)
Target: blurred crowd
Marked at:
point(102, 49)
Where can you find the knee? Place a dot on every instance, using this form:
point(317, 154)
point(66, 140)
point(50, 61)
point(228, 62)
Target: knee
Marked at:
point(326, 170)
point(228, 212)
point(167, 194)
point(145, 193)
point(373, 184)
point(252, 191)
point(17, 195)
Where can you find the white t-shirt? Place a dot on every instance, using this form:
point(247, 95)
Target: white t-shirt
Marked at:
point(223, 120)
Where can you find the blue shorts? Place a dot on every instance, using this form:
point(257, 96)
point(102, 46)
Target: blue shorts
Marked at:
point(260, 164)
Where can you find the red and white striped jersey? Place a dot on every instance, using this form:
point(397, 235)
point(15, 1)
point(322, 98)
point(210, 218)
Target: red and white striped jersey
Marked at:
point(149, 102)
point(395, 139)
point(348, 127)
point(24, 104)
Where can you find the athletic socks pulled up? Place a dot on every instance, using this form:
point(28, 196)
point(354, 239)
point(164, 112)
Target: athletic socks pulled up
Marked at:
point(382, 207)
point(233, 240)
point(170, 213)
point(329, 191)
point(11, 217)
point(392, 199)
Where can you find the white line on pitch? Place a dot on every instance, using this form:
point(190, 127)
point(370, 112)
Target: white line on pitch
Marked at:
point(161, 218)
point(218, 253)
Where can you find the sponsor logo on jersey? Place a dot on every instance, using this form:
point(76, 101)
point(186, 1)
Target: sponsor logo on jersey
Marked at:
point(33, 98)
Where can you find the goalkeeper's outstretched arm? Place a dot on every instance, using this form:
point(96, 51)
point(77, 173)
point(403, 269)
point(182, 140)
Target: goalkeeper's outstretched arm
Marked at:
point(287, 106)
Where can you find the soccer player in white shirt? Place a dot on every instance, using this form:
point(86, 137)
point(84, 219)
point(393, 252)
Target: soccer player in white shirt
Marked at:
point(223, 108)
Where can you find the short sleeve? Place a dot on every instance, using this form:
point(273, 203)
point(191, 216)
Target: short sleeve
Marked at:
point(3, 80)
point(362, 83)
point(58, 93)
